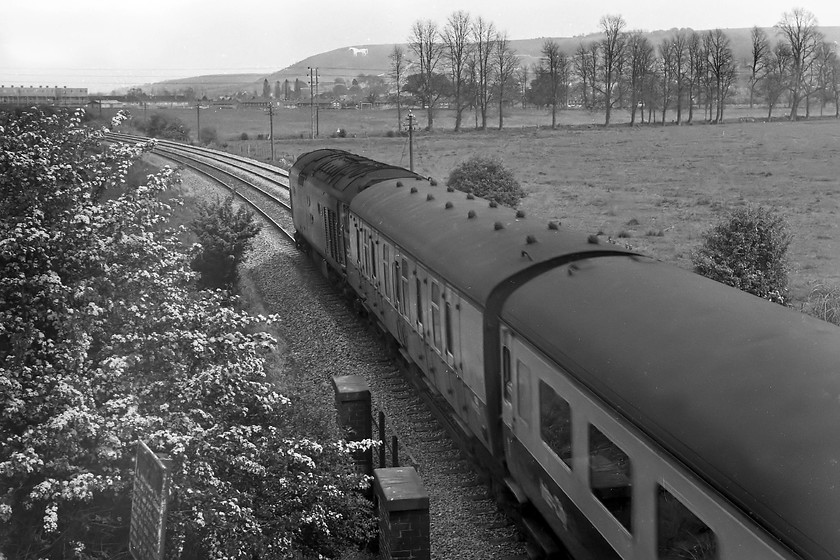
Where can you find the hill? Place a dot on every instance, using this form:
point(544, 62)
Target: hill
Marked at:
point(350, 62)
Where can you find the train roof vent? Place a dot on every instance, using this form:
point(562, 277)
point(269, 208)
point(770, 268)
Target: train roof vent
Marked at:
point(553, 225)
point(593, 239)
point(413, 190)
point(493, 204)
point(430, 196)
point(498, 226)
point(470, 196)
point(531, 239)
point(399, 183)
point(520, 213)
point(449, 205)
point(450, 189)
point(471, 214)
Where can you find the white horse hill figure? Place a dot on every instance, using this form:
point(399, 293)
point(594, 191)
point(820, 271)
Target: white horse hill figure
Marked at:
point(357, 52)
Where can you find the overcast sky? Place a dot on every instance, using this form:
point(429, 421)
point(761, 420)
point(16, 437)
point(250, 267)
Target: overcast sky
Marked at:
point(104, 44)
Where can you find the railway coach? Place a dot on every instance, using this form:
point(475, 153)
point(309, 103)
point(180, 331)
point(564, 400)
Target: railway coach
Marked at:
point(641, 410)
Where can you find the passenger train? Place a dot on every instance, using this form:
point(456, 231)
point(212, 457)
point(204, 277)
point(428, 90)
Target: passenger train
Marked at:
point(644, 411)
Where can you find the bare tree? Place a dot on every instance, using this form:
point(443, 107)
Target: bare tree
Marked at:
point(696, 67)
point(398, 68)
point(552, 65)
point(424, 43)
point(722, 67)
point(681, 66)
point(666, 73)
point(505, 64)
point(758, 58)
point(641, 56)
point(586, 69)
point(484, 35)
point(776, 77)
point(523, 76)
point(456, 41)
point(613, 47)
point(799, 30)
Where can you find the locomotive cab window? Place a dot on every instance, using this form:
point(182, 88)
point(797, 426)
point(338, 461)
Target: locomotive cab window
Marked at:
point(610, 476)
point(680, 533)
point(556, 423)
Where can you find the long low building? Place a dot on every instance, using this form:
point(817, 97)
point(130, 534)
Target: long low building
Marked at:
point(31, 95)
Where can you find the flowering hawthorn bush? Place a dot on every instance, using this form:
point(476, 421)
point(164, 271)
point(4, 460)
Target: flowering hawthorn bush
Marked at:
point(103, 340)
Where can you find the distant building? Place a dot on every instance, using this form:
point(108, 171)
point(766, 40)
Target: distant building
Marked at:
point(30, 95)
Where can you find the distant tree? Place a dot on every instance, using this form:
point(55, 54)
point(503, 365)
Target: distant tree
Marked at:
point(666, 74)
point(757, 64)
point(457, 48)
point(398, 66)
point(488, 178)
point(698, 63)
point(424, 42)
point(278, 91)
point(555, 66)
point(681, 67)
point(641, 55)
point(613, 47)
point(208, 135)
point(798, 30)
point(748, 251)
point(722, 66)
point(163, 126)
point(776, 79)
point(505, 64)
point(483, 35)
point(266, 89)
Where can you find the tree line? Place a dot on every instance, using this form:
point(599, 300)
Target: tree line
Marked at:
point(469, 65)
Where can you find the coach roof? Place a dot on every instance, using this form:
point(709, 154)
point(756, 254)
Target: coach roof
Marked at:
point(468, 242)
point(343, 174)
point(744, 392)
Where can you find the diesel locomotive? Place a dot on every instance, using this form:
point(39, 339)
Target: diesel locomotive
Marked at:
point(644, 411)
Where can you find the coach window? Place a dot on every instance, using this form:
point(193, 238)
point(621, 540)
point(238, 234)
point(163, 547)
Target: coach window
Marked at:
point(373, 263)
point(358, 245)
point(610, 476)
point(435, 315)
point(418, 285)
point(448, 330)
point(680, 533)
point(523, 391)
point(386, 259)
point(506, 382)
point(397, 291)
point(404, 284)
point(556, 423)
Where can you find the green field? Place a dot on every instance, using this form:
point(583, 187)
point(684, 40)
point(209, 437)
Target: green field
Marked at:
point(655, 188)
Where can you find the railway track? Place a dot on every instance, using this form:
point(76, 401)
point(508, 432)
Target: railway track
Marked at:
point(467, 521)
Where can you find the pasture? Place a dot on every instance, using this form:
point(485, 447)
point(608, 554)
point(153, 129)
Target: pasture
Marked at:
point(654, 188)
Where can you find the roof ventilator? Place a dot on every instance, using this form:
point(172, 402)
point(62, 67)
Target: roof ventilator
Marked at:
point(498, 225)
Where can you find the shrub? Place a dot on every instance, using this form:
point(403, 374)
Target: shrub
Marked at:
point(748, 251)
point(208, 135)
point(340, 133)
point(224, 235)
point(486, 177)
point(244, 136)
point(164, 126)
point(824, 303)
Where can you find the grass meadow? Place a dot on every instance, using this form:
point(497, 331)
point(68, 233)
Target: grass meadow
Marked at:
point(655, 188)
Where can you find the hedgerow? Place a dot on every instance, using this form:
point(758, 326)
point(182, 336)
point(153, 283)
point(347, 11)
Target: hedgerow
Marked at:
point(105, 339)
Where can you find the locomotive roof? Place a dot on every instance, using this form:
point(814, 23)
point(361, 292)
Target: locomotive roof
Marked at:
point(343, 174)
point(743, 391)
point(471, 244)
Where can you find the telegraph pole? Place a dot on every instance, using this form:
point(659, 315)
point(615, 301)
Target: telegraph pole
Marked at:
point(311, 105)
point(271, 128)
point(410, 141)
point(317, 108)
point(198, 122)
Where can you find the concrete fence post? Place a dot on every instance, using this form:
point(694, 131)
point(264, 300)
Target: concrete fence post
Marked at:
point(403, 505)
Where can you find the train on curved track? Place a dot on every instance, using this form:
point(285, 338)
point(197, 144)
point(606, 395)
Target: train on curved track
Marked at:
point(644, 411)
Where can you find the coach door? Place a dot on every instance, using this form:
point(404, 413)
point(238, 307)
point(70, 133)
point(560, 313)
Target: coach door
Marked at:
point(420, 299)
point(507, 379)
point(516, 388)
